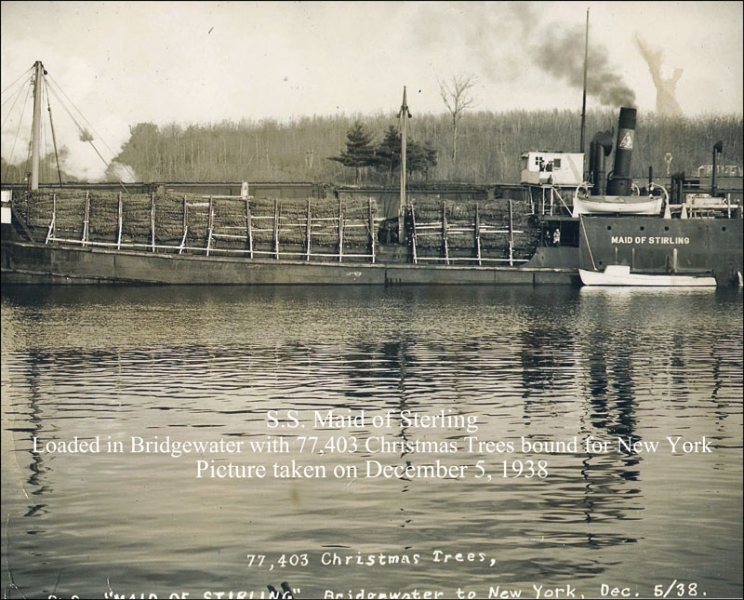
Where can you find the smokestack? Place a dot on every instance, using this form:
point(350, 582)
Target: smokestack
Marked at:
point(600, 147)
point(717, 149)
point(620, 181)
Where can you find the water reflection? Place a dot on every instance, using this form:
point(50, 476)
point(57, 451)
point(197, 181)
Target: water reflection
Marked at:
point(205, 363)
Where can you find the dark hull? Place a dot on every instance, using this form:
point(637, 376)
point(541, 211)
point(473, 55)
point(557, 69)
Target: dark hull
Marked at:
point(28, 263)
point(647, 244)
point(664, 246)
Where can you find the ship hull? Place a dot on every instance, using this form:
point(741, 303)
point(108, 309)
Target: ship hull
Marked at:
point(648, 244)
point(34, 263)
point(663, 246)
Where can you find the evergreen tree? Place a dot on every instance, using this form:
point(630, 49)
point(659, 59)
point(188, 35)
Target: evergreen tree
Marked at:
point(387, 153)
point(359, 151)
point(418, 158)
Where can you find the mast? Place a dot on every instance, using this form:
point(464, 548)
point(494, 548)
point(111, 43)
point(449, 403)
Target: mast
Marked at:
point(403, 115)
point(36, 126)
point(583, 100)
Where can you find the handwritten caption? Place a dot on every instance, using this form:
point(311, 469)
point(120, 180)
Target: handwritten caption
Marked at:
point(675, 589)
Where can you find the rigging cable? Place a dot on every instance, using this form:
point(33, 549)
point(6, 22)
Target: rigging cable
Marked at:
point(85, 135)
point(25, 75)
point(54, 136)
point(17, 135)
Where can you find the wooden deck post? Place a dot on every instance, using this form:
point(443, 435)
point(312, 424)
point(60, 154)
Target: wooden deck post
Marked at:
point(371, 217)
point(184, 237)
point(86, 218)
point(276, 228)
point(308, 230)
point(340, 229)
point(51, 233)
point(511, 235)
point(152, 219)
point(210, 224)
point(413, 235)
point(445, 245)
point(249, 226)
point(120, 220)
point(476, 233)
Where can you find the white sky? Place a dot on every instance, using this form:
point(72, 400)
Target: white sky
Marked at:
point(122, 63)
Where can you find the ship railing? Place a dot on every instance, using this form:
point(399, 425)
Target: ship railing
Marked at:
point(546, 199)
point(466, 231)
point(443, 230)
point(319, 230)
point(452, 259)
point(181, 248)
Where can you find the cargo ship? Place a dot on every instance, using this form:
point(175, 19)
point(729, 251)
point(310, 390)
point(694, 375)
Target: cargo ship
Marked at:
point(560, 221)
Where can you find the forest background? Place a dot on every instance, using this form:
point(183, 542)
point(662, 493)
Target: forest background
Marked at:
point(487, 147)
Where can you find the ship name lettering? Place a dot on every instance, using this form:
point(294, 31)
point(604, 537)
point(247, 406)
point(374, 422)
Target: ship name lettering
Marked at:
point(670, 241)
point(658, 240)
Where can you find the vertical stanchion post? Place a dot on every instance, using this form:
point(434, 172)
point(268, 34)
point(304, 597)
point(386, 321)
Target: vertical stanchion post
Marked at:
point(210, 224)
point(445, 245)
point(371, 216)
point(249, 226)
point(120, 220)
point(476, 233)
point(308, 230)
point(511, 234)
point(276, 228)
point(413, 234)
point(340, 229)
point(86, 218)
point(52, 223)
point(152, 220)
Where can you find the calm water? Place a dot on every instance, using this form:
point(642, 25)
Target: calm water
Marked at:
point(439, 394)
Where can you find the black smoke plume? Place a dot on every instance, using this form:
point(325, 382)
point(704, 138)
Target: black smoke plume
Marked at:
point(562, 56)
point(500, 37)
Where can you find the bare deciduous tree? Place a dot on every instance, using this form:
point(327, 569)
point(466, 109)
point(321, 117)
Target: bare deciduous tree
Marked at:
point(457, 97)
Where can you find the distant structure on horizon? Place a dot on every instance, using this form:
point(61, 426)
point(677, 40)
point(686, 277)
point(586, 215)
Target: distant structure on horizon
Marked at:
point(666, 100)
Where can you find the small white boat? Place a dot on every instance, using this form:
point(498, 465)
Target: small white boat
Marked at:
point(624, 205)
point(636, 204)
point(621, 275)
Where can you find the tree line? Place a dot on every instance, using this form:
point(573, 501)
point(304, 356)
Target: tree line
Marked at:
point(386, 157)
point(477, 147)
